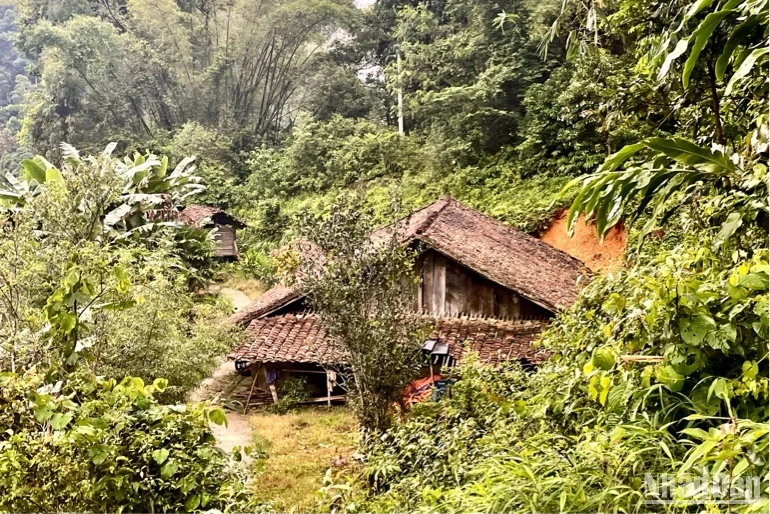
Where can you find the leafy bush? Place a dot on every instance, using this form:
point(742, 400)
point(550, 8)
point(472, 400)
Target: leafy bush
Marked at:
point(335, 153)
point(256, 264)
point(87, 284)
point(88, 444)
point(291, 392)
point(363, 292)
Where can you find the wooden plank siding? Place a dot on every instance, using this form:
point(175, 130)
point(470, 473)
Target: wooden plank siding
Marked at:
point(449, 288)
point(225, 242)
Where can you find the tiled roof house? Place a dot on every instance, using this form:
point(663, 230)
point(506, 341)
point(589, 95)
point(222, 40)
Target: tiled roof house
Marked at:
point(485, 287)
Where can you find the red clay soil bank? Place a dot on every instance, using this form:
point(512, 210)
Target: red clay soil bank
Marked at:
point(584, 244)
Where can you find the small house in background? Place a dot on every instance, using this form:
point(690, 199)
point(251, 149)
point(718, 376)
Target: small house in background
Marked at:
point(207, 218)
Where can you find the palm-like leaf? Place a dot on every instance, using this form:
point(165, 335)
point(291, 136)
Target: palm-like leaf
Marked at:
point(147, 185)
point(678, 168)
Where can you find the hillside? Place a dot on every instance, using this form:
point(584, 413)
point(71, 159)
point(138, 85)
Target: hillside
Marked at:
point(316, 121)
point(601, 256)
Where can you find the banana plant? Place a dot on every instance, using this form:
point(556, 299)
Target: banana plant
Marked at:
point(147, 185)
point(34, 172)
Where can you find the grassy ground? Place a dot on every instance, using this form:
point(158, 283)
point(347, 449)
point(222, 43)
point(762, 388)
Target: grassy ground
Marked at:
point(293, 451)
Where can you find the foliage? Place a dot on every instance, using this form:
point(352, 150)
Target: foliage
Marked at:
point(291, 392)
point(363, 289)
point(658, 369)
point(79, 284)
point(586, 109)
point(235, 65)
point(145, 181)
point(678, 169)
point(216, 163)
point(320, 155)
point(464, 78)
point(84, 443)
point(258, 264)
point(14, 84)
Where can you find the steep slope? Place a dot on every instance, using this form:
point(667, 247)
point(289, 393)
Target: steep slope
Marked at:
point(599, 256)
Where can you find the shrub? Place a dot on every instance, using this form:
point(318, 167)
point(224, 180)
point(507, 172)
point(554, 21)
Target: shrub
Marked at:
point(83, 274)
point(363, 293)
point(87, 444)
point(336, 153)
point(291, 392)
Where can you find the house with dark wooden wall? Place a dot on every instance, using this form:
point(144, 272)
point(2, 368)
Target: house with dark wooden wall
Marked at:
point(485, 287)
point(206, 217)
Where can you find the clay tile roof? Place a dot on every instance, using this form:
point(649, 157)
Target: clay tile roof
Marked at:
point(273, 299)
point(279, 295)
point(199, 215)
point(300, 338)
point(513, 259)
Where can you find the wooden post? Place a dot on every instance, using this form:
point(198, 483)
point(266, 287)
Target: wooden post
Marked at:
point(274, 393)
point(251, 391)
point(328, 389)
point(400, 98)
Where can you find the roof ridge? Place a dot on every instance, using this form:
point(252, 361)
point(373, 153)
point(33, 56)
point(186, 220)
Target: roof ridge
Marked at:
point(432, 217)
point(518, 231)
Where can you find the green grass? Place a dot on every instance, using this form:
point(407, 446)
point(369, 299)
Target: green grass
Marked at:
point(294, 450)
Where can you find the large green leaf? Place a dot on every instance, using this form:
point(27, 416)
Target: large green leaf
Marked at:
point(54, 175)
point(605, 193)
point(695, 8)
point(745, 68)
point(690, 154)
point(10, 196)
point(679, 50)
point(160, 455)
point(99, 453)
point(115, 215)
point(699, 39)
point(738, 35)
point(33, 170)
point(733, 222)
point(615, 160)
point(668, 376)
point(60, 420)
point(694, 330)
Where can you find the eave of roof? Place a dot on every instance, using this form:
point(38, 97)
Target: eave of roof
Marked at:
point(300, 338)
point(195, 214)
point(275, 298)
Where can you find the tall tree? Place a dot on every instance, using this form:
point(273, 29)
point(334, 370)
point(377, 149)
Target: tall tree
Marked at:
point(363, 290)
point(142, 68)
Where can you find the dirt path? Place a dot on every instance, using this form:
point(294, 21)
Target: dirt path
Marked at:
point(238, 432)
point(239, 299)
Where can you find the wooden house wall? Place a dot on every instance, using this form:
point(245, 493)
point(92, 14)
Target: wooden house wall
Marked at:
point(225, 241)
point(448, 287)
